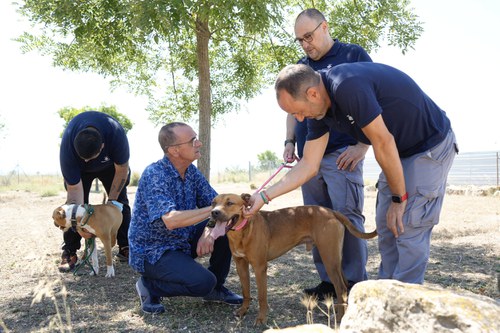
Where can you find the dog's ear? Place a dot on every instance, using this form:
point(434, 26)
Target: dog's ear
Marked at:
point(60, 213)
point(246, 197)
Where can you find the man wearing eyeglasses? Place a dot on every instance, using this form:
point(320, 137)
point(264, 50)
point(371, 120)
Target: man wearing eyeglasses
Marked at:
point(339, 182)
point(167, 231)
point(94, 145)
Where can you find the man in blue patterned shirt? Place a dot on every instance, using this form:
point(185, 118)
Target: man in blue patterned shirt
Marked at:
point(167, 231)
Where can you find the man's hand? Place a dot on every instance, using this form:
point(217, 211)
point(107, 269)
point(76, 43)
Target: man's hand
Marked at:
point(85, 234)
point(117, 204)
point(256, 204)
point(352, 156)
point(205, 243)
point(289, 153)
point(395, 218)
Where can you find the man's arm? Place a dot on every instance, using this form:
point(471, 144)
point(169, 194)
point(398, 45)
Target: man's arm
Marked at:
point(178, 219)
point(289, 152)
point(182, 218)
point(304, 170)
point(74, 193)
point(387, 156)
point(352, 156)
point(121, 173)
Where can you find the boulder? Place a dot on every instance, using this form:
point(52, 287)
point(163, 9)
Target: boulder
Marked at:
point(392, 306)
point(313, 328)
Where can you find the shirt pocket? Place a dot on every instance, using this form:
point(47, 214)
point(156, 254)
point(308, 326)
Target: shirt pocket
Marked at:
point(425, 206)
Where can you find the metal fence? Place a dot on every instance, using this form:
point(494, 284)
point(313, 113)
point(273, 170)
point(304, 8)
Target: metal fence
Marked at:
point(471, 168)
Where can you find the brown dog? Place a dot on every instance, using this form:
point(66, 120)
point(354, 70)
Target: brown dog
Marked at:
point(270, 234)
point(102, 221)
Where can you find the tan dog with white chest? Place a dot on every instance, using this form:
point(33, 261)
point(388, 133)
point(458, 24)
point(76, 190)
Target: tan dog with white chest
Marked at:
point(102, 221)
point(270, 234)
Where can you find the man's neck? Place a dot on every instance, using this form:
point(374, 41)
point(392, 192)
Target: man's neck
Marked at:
point(179, 165)
point(327, 48)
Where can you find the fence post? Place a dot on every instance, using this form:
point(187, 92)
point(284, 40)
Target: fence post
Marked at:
point(249, 171)
point(498, 174)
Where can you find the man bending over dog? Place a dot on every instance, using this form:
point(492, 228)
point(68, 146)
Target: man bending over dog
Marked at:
point(411, 137)
point(167, 231)
point(94, 145)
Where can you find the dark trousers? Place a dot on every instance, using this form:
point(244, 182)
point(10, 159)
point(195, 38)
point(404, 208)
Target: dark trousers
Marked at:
point(72, 240)
point(178, 274)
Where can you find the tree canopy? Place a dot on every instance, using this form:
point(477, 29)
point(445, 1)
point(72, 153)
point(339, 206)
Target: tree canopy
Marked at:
point(268, 160)
point(199, 57)
point(69, 113)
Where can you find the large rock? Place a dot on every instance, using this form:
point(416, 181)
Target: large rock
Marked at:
point(392, 306)
point(313, 328)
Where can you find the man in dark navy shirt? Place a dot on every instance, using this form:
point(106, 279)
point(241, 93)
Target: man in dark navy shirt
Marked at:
point(411, 137)
point(94, 145)
point(339, 182)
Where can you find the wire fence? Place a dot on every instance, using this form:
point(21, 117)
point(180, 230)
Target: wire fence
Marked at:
point(470, 168)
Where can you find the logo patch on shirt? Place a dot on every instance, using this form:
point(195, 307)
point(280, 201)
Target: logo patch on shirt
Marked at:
point(105, 159)
point(350, 119)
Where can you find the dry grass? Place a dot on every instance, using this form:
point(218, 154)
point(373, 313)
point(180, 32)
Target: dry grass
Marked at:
point(35, 297)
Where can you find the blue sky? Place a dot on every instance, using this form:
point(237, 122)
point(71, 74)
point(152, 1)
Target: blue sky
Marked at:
point(456, 62)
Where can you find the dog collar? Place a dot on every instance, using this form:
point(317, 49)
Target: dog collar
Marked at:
point(73, 217)
point(89, 210)
point(241, 225)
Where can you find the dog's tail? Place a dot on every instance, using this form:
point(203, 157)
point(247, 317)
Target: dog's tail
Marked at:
point(104, 197)
point(352, 229)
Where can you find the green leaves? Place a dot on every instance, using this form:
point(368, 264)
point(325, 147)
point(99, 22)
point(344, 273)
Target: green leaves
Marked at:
point(69, 113)
point(152, 47)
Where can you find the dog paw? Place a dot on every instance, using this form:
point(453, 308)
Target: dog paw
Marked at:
point(110, 272)
point(241, 311)
point(260, 321)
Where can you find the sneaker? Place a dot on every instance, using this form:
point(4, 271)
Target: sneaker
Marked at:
point(122, 254)
point(325, 289)
point(223, 295)
point(148, 303)
point(68, 261)
point(321, 290)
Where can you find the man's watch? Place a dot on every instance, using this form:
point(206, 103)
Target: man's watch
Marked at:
point(292, 141)
point(400, 199)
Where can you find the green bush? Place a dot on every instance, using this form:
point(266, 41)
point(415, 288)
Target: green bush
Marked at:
point(134, 179)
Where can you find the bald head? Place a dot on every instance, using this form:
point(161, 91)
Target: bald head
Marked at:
point(295, 80)
point(167, 136)
point(311, 31)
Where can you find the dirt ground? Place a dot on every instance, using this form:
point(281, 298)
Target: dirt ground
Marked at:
point(35, 297)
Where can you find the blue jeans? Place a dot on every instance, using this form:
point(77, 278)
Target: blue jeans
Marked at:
point(341, 190)
point(179, 274)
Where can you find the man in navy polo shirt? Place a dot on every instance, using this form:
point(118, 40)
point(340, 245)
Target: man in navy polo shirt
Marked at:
point(94, 145)
point(339, 182)
point(411, 137)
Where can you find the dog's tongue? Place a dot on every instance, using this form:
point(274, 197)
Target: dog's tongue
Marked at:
point(218, 230)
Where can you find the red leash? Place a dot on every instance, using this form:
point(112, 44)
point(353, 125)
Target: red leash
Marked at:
point(283, 165)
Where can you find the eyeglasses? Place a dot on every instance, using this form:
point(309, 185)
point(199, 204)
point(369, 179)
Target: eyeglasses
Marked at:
point(308, 36)
point(193, 142)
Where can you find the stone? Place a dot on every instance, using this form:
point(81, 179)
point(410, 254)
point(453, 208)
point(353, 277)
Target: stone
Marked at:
point(391, 306)
point(313, 328)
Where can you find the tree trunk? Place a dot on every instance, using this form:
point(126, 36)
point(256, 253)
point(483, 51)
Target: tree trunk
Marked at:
point(205, 112)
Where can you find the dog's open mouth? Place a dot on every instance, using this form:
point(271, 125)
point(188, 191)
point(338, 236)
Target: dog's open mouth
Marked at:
point(220, 228)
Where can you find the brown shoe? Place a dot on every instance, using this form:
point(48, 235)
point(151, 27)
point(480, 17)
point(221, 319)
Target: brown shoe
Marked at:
point(122, 254)
point(68, 262)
